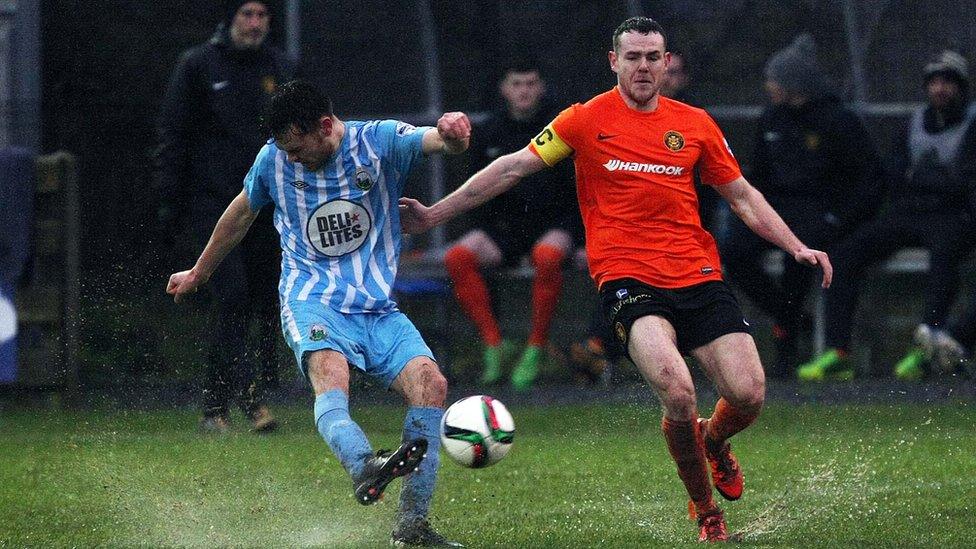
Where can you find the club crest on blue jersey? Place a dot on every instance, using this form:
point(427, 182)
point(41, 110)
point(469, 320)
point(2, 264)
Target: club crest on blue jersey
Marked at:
point(338, 227)
point(364, 181)
point(317, 332)
point(402, 129)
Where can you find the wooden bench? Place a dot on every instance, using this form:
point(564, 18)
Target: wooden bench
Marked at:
point(47, 305)
point(423, 277)
point(905, 261)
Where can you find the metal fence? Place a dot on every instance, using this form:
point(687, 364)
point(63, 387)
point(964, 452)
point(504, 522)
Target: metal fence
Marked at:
point(104, 75)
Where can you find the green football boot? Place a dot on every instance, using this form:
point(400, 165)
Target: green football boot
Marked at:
point(833, 364)
point(495, 357)
point(527, 368)
point(909, 368)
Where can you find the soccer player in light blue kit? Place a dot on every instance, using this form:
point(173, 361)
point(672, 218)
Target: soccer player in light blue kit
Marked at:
point(335, 187)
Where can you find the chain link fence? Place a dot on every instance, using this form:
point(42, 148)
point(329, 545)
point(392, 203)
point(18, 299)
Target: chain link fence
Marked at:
point(106, 63)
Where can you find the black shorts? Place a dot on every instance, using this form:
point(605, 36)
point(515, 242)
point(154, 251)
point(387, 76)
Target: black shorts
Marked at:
point(700, 314)
point(516, 237)
point(514, 243)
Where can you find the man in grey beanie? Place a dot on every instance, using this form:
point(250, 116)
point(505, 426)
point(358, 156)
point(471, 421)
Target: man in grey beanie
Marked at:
point(817, 166)
point(931, 205)
point(793, 71)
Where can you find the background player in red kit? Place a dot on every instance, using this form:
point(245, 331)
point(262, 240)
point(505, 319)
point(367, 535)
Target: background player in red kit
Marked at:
point(658, 271)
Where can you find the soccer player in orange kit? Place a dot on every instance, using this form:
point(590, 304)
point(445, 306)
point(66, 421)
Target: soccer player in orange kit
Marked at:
point(658, 271)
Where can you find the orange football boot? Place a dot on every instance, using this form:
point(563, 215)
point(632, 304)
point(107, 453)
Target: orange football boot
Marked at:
point(726, 474)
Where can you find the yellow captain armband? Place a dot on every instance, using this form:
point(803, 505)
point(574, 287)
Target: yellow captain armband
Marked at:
point(550, 147)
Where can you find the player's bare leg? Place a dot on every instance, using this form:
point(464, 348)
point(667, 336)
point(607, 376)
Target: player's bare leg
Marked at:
point(732, 362)
point(652, 345)
point(548, 255)
point(328, 371)
point(464, 261)
point(424, 388)
point(421, 383)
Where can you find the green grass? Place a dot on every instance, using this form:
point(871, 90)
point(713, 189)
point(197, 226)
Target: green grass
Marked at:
point(587, 476)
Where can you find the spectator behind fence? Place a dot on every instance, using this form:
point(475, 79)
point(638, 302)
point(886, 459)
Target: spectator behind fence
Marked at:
point(677, 86)
point(818, 167)
point(209, 130)
point(540, 218)
point(931, 206)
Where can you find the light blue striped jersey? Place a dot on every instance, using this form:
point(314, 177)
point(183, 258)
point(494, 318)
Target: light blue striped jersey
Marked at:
point(339, 225)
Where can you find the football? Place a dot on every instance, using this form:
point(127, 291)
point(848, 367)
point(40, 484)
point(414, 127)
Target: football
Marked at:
point(477, 431)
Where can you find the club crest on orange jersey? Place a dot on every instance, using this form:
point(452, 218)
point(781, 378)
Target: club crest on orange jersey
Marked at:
point(674, 141)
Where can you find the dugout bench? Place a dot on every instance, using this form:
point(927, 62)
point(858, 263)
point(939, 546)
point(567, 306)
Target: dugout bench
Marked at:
point(47, 298)
point(423, 290)
point(872, 351)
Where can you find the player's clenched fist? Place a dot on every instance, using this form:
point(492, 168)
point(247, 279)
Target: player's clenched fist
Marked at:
point(454, 126)
point(182, 283)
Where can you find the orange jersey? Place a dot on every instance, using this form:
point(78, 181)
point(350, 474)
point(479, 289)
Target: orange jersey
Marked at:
point(636, 189)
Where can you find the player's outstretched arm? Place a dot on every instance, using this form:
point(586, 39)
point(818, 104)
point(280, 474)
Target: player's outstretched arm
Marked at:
point(452, 135)
point(230, 229)
point(751, 206)
point(491, 181)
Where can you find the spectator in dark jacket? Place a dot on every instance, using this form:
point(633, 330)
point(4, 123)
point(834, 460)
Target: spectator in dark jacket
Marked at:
point(817, 166)
point(931, 206)
point(540, 219)
point(209, 130)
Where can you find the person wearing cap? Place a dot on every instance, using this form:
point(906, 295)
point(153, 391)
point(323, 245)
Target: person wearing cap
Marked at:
point(209, 131)
point(931, 206)
point(817, 166)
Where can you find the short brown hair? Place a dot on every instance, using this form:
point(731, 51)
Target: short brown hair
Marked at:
point(643, 25)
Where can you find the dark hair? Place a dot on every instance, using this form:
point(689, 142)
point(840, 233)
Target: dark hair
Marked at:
point(643, 25)
point(297, 103)
point(519, 63)
point(231, 7)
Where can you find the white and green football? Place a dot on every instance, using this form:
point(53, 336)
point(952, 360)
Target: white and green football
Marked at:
point(477, 431)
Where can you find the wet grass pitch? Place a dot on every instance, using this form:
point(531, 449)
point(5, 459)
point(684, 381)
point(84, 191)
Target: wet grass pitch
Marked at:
point(578, 476)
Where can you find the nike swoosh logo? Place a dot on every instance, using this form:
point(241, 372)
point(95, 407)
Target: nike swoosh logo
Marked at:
point(220, 85)
point(603, 136)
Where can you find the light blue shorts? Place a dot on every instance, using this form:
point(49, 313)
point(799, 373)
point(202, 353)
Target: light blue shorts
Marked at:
point(378, 344)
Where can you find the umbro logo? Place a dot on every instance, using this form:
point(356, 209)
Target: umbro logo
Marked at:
point(300, 185)
point(605, 136)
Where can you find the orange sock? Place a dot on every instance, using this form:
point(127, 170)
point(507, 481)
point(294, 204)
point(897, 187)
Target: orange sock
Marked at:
point(548, 282)
point(729, 420)
point(472, 292)
point(685, 445)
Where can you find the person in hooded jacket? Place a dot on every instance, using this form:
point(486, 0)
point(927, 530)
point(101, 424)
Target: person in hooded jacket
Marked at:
point(931, 205)
point(209, 131)
point(817, 166)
